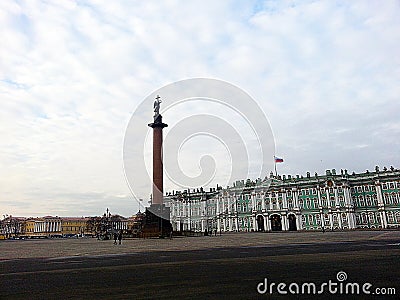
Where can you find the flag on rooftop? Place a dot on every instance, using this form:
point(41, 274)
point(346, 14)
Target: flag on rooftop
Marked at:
point(278, 159)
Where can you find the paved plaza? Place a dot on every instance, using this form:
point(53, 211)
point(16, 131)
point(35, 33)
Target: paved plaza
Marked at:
point(227, 266)
point(41, 248)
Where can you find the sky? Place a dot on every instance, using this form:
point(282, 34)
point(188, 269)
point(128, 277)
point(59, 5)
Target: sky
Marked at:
point(72, 74)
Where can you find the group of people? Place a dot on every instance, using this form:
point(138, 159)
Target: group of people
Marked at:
point(118, 236)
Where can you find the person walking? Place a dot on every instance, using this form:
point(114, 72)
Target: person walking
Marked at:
point(115, 237)
point(120, 237)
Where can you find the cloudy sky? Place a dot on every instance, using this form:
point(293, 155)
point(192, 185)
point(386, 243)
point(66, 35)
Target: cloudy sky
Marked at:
point(72, 73)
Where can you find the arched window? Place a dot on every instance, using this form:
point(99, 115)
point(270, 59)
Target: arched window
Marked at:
point(390, 216)
point(375, 200)
point(333, 204)
point(369, 202)
point(361, 200)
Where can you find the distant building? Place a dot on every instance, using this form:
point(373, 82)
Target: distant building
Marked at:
point(328, 202)
point(12, 226)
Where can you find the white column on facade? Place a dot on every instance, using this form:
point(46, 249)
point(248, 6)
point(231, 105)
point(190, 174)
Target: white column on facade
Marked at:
point(263, 202)
point(254, 223)
point(379, 195)
point(331, 219)
point(328, 197)
point(236, 223)
point(384, 222)
point(253, 202)
point(298, 222)
point(347, 197)
point(336, 197)
point(284, 200)
point(339, 216)
point(270, 202)
point(283, 222)
point(319, 197)
point(381, 205)
point(266, 223)
point(296, 198)
point(349, 219)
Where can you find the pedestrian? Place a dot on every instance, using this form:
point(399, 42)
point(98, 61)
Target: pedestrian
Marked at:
point(115, 237)
point(120, 237)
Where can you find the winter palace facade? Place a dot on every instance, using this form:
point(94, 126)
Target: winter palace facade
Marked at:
point(329, 202)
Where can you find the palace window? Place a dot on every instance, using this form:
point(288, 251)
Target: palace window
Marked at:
point(384, 186)
point(369, 203)
point(314, 191)
point(330, 190)
point(318, 219)
point(375, 200)
point(359, 189)
point(363, 218)
point(371, 217)
point(290, 204)
point(315, 201)
point(335, 220)
point(307, 192)
point(390, 216)
point(324, 202)
point(397, 217)
point(387, 199)
point(303, 220)
point(301, 204)
point(340, 190)
point(289, 193)
point(394, 198)
point(273, 204)
point(341, 201)
point(333, 202)
point(361, 200)
point(352, 190)
point(344, 218)
point(391, 185)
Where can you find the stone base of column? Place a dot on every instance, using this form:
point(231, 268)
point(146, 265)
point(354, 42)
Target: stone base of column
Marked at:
point(156, 222)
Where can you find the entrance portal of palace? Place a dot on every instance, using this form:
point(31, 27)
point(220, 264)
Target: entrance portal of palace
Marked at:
point(260, 223)
point(276, 223)
point(292, 222)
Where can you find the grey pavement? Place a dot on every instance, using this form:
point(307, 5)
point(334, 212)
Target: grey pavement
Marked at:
point(40, 248)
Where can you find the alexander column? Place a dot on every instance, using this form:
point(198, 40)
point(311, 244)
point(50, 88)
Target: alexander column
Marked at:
point(157, 126)
point(157, 215)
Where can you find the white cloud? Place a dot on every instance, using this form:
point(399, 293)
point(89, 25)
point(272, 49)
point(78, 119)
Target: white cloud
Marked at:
point(71, 73)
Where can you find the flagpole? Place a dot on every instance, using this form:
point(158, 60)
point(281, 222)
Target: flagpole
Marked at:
point(276, 173)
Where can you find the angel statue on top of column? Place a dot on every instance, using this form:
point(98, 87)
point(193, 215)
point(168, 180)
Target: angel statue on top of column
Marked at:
point(157, 106)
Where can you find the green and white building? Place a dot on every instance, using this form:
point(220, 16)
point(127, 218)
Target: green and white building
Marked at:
point(329, 202)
